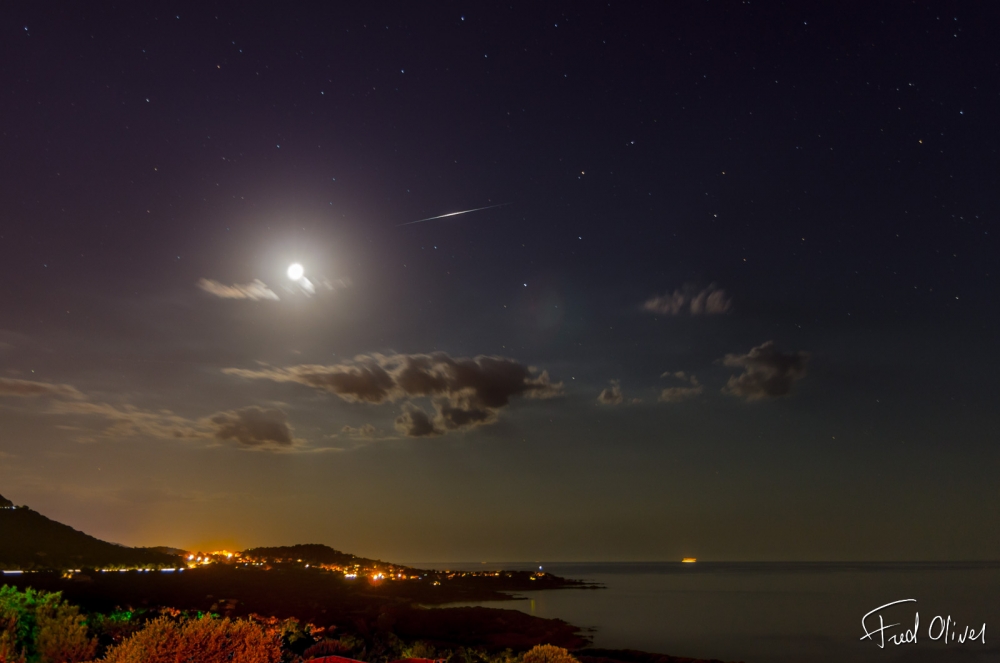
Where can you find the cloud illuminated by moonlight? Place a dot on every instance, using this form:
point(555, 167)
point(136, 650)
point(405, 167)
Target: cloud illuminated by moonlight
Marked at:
point(708, 301)
point(767, 372)
point(254, 290)
point(32, 389)
point(678, 394)
point(611, 395)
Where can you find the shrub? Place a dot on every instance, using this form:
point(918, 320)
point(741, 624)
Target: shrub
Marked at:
point(420, 649)
point(9, 653)
point(42, 628)
point(62, 633)
point(114, 627)
point(548, 654)
point(205, 640)
point(506, 656)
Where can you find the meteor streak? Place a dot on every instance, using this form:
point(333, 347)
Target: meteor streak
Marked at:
point(451, 214)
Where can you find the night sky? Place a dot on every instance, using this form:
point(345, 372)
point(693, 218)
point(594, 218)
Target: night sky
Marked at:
point(734, 295)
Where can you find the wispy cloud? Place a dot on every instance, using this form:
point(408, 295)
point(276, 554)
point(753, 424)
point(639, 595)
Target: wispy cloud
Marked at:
point(316, 286)
point(254, 290)
point(130, 421)
point(678, 394)
point(249, 427)
point(32, 389)
point(10, 340)
point(767, 372)
point(363, 432)
point(690, 301)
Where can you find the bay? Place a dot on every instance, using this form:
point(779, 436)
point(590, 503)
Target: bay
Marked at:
point(773, 612)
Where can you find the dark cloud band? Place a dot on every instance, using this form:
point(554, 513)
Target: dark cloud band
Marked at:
point(467, 392)
point(253, 427)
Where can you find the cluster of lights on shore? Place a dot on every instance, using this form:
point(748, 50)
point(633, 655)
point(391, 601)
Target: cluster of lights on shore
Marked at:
point(350, 572)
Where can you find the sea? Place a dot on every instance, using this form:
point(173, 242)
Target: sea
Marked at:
point(775, 612)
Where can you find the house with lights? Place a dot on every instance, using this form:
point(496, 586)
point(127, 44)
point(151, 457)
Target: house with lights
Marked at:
point(5, 503)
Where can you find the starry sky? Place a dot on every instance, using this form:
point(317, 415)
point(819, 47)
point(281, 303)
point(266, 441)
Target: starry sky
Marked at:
point(733, 294)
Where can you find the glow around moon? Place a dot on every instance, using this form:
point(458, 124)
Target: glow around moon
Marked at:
point(295, 271)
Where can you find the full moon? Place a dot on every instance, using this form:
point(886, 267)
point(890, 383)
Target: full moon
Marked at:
point(295, 271)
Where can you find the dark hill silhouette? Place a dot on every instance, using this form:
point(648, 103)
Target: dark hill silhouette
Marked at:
point(311, 553)
point(5, 503)
point(30, 541)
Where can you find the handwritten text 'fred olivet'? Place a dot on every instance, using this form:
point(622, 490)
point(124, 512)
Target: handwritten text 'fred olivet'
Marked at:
point(941, 629)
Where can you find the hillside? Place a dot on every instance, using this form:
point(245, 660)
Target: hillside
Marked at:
point(311, 553)
point(29, 540)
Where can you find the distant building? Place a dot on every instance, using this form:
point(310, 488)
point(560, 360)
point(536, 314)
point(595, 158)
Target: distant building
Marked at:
point(5, 503)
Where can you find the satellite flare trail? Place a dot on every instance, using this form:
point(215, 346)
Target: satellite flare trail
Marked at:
point(451, 214)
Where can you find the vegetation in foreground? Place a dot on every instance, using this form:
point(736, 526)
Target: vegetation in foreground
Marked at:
point(41, 627)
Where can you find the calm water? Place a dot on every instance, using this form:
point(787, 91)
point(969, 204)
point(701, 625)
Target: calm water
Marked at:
point(771, 612)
